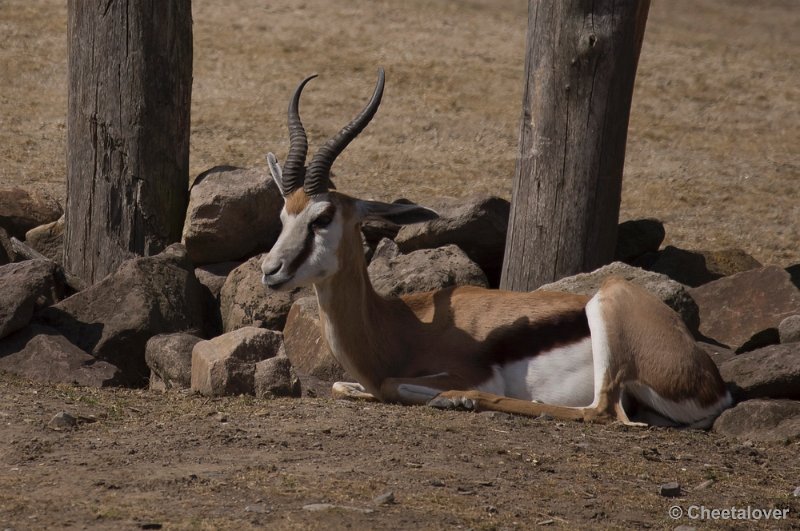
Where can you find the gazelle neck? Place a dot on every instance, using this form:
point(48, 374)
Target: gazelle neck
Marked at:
point(353, 317)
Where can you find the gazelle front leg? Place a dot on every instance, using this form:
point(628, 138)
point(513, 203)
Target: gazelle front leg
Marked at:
point(420, 390)
point(351, 391)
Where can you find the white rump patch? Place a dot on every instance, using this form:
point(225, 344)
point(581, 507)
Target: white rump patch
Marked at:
point(601, 351)
point(563, 376)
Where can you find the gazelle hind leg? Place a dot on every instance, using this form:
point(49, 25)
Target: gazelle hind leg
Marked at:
point(608, 410)
point(351, 391)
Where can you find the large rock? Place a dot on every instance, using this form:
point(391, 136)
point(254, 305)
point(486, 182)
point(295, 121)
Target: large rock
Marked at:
point(245, 301)
point(761, 420)
point(48, 239)
point(395, 274)
point(478, 226)
point(169, 357)
point(146, 296)
point(695, 268)
point(717, 353)
point(233, 213)
point(26, 287)
point(672, 293)
point(308, 351)
point(6, 251)
point(40, 353)
point(226, 365)
point(769, 372)
point(743, 311)
point(20, 210)
point(213, 276)
point(276, 377)
point(638, 237)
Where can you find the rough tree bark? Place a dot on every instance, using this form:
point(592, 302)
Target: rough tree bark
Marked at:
point(130, 82)
point(580, 67)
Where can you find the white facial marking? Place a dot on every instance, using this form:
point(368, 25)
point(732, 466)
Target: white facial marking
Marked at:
point(306, 250)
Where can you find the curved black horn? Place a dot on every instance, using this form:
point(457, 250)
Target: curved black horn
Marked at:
point(320, 167)
point(294, 170)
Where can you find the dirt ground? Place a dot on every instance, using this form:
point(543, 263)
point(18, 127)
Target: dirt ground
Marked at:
point(185, 462)
point(712, 151)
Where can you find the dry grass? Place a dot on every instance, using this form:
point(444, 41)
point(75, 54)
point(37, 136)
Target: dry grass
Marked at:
point(712, 149)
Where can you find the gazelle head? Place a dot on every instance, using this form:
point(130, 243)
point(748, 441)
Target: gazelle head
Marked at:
point(321, 227)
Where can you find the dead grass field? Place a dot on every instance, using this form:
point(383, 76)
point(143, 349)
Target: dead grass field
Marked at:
point(714, 134)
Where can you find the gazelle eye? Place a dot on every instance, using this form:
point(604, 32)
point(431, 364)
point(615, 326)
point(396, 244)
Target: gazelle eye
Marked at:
point(322, 221)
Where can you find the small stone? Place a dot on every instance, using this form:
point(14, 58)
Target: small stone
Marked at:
point(387, 498)
point(796, 492)
point(789, 329)
point(62, 421)
point(440, 483)
point(670, 490)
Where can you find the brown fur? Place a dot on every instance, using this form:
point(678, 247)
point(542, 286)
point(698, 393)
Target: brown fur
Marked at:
point(296, 202)
point(451, 330)
point(672, 365)
point(448, 340)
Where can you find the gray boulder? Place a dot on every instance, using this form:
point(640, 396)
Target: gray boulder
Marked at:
point(40, 353)
point(233, 213)
point(717, 353)
point(169, 357)
point(395, 274)
point(275, 377)
point(25, 288)
point(245, 301)
point(20, 210)
point(226, 365)
point(308, 351)
point(743, 311)
point(761, 420)
point(146, 296)
point(789, 329)
point(48, 239)
point(672, 293)
point(478, 226)
point(213, 276)
point(769, 372)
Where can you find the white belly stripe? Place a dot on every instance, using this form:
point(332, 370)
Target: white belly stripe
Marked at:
point(562, 376)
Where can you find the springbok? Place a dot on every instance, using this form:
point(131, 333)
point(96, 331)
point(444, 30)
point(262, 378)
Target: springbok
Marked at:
point(619, 355)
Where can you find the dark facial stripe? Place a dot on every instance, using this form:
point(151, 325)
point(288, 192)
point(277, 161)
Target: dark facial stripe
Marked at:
point(524, 339)
point(304, 253)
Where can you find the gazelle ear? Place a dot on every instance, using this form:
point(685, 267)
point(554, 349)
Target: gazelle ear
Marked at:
point(401, 214)
point(275, 170)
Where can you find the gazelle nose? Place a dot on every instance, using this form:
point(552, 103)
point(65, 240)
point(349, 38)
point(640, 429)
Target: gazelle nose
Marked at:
point(273, 271)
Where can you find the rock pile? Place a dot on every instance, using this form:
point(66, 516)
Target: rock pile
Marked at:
point(197, 316)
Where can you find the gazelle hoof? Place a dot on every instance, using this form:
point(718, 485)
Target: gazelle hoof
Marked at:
point(452, 402)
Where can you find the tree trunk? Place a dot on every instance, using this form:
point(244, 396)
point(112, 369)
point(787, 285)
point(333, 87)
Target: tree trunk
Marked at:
point(580, 66)
point(130, 84)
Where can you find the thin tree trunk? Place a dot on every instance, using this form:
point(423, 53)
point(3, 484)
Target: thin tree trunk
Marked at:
point(580, 67)
point(130, 82)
